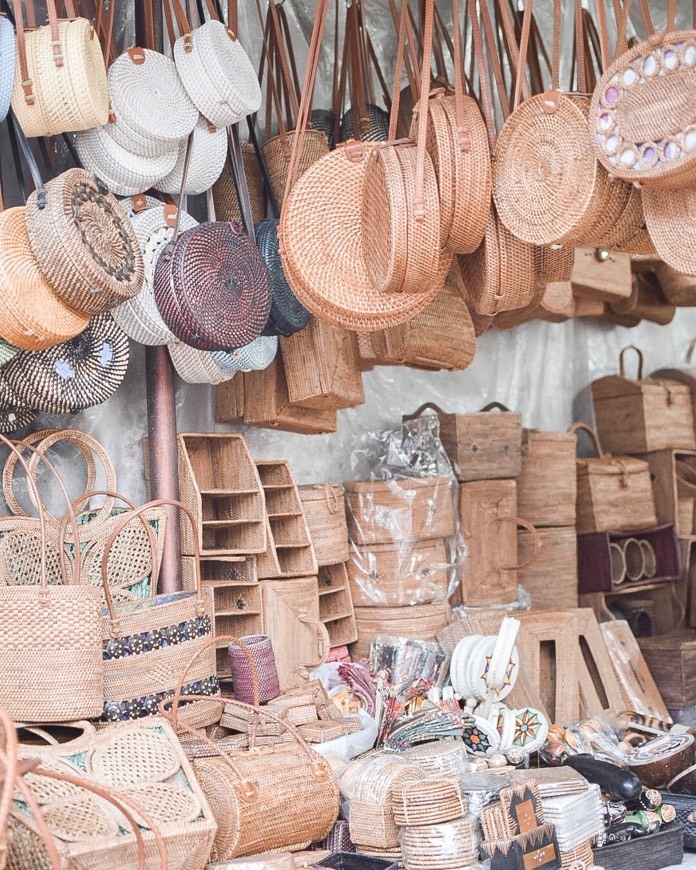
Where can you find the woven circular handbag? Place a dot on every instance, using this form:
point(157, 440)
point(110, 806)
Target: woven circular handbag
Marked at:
point(372, 125)
point(288, 315)
point(202, 366)
point(257, 355)
point(13, 415)
point(324, 121)
point(74, 375)
point(212, 287)
point(225, 193)
point(152, 112)
point(642, 122)
point(7, 65)
point(138, 317)
point(215, 70)
point(84, 244)
point(60, 84)
point(208, 154)
point(670, 216)
point(122, 171)
point(32, 316)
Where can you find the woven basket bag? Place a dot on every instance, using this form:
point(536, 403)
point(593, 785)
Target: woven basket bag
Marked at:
point(325, 512)
point(7, 65)
point(74, 375)
point(201, 366)
point(214, 69)
point(671, 222)
point(85, 246)
point(32, 316)
point(225, 194)
point(49, 639)
point(277, 152)
point(679, 289)
point(139, 317)
point(288, 315)
point(60, 84)
point(151, 111)
point(641, 118)
point(208, 154)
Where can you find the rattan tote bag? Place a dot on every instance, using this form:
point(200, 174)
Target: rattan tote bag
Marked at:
point(60, 83)
point(213, 67)
point(7, 65)
point(84, 244)
point(642, 117)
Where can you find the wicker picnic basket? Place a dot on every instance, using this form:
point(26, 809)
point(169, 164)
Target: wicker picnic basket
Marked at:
point(480, 446)
point(398, 574)
point(61, 83)
point(642, 415)
point(321, 367)
point(613, 492)
point(546, 486)
point(325, 512)
point(412, 509)
point(417, 622)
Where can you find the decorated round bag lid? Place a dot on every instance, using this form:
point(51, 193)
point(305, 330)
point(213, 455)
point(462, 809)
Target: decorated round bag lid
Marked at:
point(661, 748)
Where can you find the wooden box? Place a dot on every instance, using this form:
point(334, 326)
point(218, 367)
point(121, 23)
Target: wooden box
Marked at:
point(609, 279)
point(672, 662)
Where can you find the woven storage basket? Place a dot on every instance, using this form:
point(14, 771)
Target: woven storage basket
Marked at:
point(208, 154)
point(142, 763)
point(84, 244)
point(139, 317)
point(32, 316)
point(614, 492)
point(546, 486)
point(551, 577)
point(418, 622)
point(412, 509)
point(162, 633)
point(288, 315)
point(212, 287)
point(60, 84)
point(7, 65)
point(276, 153)
point(320, 236)
point(152, 111)
point(672, 228)
point(325, 512)
point(642, 415)
point(74, 375)
point(225, 194)
point(480, 446)
point(396, 575)
point(448, 846)
point(596, 276)
point(679, 289)
point(321, 367)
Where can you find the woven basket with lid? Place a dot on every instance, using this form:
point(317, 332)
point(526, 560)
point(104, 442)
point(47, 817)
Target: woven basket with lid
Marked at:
point(325, 512)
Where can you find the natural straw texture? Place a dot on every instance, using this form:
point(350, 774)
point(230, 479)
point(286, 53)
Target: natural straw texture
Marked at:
point(276, 153)
point(225, 194)
point(419, 622)
point(449, 846)
point(324, 510)
point(428, 802)
point(32, 316)
point(208, 154)
point(84, 244)
point(669, 215)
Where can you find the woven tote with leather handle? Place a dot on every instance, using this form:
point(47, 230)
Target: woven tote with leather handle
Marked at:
point(84, 244)
point(641, 119)
point(60, 84)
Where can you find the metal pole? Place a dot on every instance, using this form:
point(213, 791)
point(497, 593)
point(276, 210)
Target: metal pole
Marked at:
point(161, 405)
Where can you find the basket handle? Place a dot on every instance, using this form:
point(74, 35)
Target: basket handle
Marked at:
point(640, 361)
point(426, 406)
point(492, 406)
point(10, 777)
point(536, 540)
point(583, 427)
point(160, 502)
point(331, 499)
point(84, 725)
point(324, 641)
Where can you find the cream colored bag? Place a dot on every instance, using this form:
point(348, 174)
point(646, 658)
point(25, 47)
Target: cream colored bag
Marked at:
point(60, 82)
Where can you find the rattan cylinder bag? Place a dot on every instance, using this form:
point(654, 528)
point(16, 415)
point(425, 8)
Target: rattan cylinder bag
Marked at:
point(60, 83)
point(7, 65)
point(84, 244)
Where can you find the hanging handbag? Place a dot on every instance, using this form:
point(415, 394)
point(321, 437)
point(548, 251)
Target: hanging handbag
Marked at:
point(60, 84)
point(50, 667)
point(213, 66)
point(669, 216)
point(208, 154)
point(146, 646)
point(288, 314)
point(7, 65)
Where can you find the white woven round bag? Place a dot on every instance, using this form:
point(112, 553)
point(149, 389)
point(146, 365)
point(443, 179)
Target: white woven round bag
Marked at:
point(217, 74)
point(200, 366)
point(208, 154)
point(139, 317)
point(123, 173)
point(152, 111)
point(7, 65)
point(256, 355)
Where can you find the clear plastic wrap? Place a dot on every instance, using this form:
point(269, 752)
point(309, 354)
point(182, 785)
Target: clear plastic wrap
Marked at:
point(275, 861)
point(351, 745)
point(440, 757)
point(595, 736)
point(402, 519)
point(403, 658)
point(447, 846)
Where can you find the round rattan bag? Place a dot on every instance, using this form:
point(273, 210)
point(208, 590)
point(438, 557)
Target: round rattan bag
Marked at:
point(74, 375)
point(138, 317)
point(212, 287)
point(7, 65)
point(373, 126)
point(208, 154)
point(13, 414)
point(202, 366)
point(152, 111)
point(32, 316)
point(670, 216)
point(288, 314)
point(84, 244)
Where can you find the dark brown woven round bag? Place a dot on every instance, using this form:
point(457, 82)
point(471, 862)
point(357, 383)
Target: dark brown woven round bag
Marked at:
point(212, 287)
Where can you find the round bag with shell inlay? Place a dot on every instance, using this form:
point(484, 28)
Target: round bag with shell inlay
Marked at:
point(74, 375)
point(212, 287)
point(84, 244)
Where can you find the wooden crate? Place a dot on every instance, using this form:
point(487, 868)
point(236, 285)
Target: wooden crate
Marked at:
point(336, 605)
point(672, 662)
point(663, 473)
